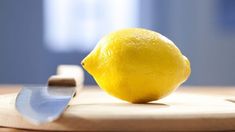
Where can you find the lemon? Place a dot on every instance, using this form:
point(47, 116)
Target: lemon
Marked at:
point(137, 65)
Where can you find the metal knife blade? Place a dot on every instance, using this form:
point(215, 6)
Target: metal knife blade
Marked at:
point(43, 104)
point(40, 105)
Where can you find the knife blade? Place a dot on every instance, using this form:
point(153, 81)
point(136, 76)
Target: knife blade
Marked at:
point(43, 104)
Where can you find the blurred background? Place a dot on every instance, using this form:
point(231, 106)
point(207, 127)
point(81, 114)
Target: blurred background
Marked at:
point(36, 36)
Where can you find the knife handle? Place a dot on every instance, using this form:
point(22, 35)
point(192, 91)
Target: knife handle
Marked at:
point(67, 76)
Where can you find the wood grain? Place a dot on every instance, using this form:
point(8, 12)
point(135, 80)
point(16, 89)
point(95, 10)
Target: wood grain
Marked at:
point(187, 109)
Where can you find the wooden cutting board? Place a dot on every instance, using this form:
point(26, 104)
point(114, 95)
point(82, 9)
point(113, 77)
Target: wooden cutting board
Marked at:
point(187, 109)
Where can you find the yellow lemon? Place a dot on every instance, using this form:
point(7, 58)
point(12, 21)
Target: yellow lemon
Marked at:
point(137, 65)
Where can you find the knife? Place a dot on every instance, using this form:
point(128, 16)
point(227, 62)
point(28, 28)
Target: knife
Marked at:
point(43, 104)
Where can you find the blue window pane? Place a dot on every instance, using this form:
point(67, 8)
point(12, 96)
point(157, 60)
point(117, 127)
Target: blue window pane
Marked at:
point(78, 24)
